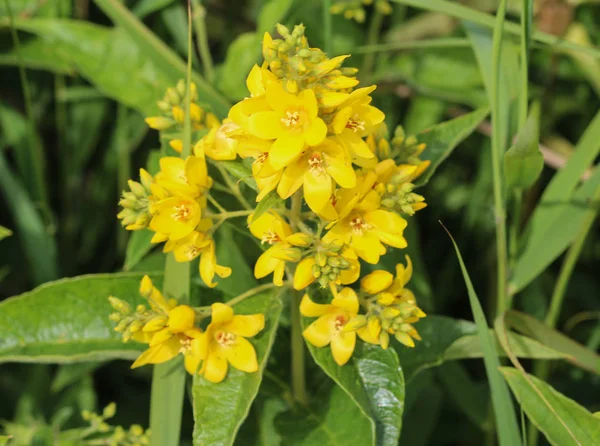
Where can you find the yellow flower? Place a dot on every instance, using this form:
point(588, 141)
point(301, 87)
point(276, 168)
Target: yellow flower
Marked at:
point(270, 228)
point(176, 216)
point(208, 265)
point(258, 79)
point(183, 177)
point(355, 120)
point(328, 329)
point(362, 225)
point(216, 144)
point(225, 343)
point(317, 171)
point(173, 339)
point(393, 307)
point(292, 122)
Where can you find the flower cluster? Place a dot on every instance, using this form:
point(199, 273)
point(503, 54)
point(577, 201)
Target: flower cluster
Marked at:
point(170, 329)
point(100, 432)
point(333, 192)
point(354, 9)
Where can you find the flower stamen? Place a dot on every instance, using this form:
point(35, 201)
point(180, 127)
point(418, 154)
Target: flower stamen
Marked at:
point(291, 119)
point(225, 338)
point(359, 226)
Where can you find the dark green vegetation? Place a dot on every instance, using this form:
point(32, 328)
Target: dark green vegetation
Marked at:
point(75, 88)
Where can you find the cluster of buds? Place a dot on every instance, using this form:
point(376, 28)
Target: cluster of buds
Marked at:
point(398, 195)
point(138, 324)
point(406, 149)
point(354, 9)
point(136, 203)
point(119, 436)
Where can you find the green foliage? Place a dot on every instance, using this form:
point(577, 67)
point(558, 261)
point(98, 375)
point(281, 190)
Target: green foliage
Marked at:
point(523, 162)
point(137, 248)
point(562, 420)
point(220, 409)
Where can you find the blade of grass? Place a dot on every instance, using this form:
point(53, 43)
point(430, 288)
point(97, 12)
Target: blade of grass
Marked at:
point(168, 379)
point(30, 162)
point(465, 13)
point(161, 53)
point(506, 421)
point(443, 42)
point(327, 32)
point(498, 141)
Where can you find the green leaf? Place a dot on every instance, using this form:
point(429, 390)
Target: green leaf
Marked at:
point(108, 58)
point(69, 374)
point(553, 226)
point(335, 421)
point(373, 379)
point(67, 320)
point(144, 8)
point(220, 409)
point(230, 253)
point(573, 352)
point(242, 54)
point(523, 162)
point(138, 246)
point(39, 246)
point(5, 232)
point(270, 201)
point(239, 170)
point(446, 339)
point(508, 430)
point(562, 420)
point(441, 139)
point(41, 55)
point(152, 48)
point(4, 439)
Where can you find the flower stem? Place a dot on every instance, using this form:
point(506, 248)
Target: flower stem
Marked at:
point(234, 188)
point(232, 214)
point(327, 26)
point(201, 35)
point(372, 39)
point(298, 352)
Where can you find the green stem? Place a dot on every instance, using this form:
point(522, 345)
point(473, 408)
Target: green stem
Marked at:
point(233, 186)
point(298, 352)
point(515, 226)
point(444, 42)
point(232, 214)
point(199, 15)
point(123, 166)
point(372, 39)
point(526, 13)
point(327, 26)
point(168, 379)
point(541, 369)
point(497, 151)
point(31, 164)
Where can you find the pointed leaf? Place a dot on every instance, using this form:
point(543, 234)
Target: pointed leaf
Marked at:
point(271, 200)
point(220, 409)
point(523, 162)
point(562, 420)
point(5, 232)
point(373, 379)
point(440, 140)
point(137, 247)
point(239, 170)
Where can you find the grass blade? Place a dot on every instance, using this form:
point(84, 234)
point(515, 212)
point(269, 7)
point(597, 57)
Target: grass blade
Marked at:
point(506, 420)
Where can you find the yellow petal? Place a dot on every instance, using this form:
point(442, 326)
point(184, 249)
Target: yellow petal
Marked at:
point(292, 178)
point(341, 171)
point(341, 119)
point(278, 274)
point(346, 300)
point(266, 264)
point(317, 190)
point(181, 318)
point(316, 132)
point(215, 367)
point(279, 99)
point(265, 124)
point(200, 346)
point(342, 346)
point(242, 355)
point(191, 363)
point(247, 325)
point(320, 332)
point(221, 313)
point(159, 353)
point(404, 339)
point(309, 102)
point(376, 282)
point(310, 309)
point(161, 336)
point(304, 276)
point(365, 334)
point(285, 149)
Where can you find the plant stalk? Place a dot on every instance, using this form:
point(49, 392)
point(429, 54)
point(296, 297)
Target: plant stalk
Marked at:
point(372, 39)
point(199, 16)
point(298, 352)
point(327, 26)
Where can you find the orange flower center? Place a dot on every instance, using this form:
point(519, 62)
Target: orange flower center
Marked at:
point(315, 163)
point(192, 252)
point(182, 212)
point(186, 344)
point(359, 226)
point(355, 124)
point(270, 237)
point(339, 322)
point(225, 338)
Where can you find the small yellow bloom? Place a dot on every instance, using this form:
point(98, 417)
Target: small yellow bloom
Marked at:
point(317, 171)
point(328, 329)
point(270, 228)
point(176, 217)
point(292, 122)
point(183, 177)
point(160, 123)
point(224, 343)
point(216, 144)
point(209, 267)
